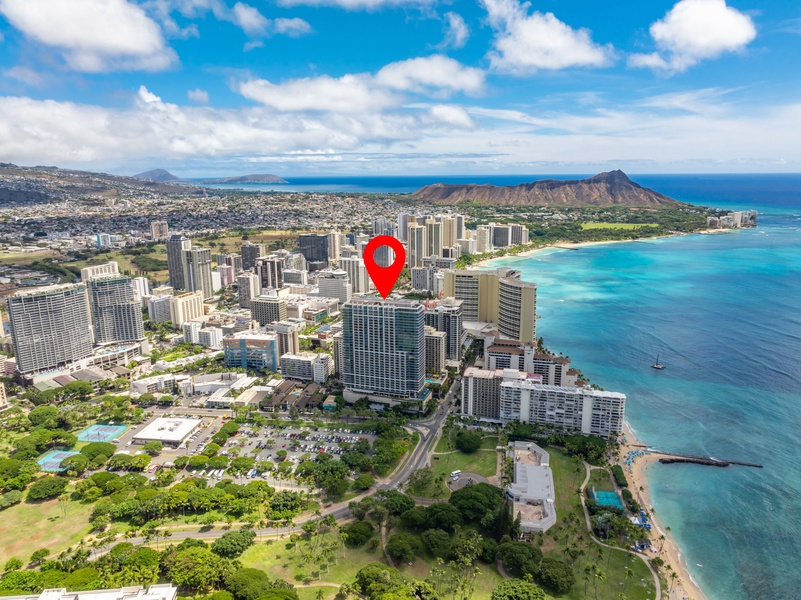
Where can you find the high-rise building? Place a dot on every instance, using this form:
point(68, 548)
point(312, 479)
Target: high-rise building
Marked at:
point(518, 235)
point(416, 245)
point(383, 347)
point(270, 270)
point(268, 309)
point(334, 243)
point(251, 350)
point(433, 238)
point(176, 260)
point(403, 226)
point(159, 230)
point(446, 315)
point(250, 252)
point(231, 259)
point(314, 247)
point(501, 236)
point(357, 273)
point(226, 273)
point(497, 297)
point(334, 283)
point(115, 309)
point(191, 330)
point(483, 239)
point(449, 236)
point(185, 307)
point(50, 327)
point(109, 268)
point(460, 228)
point(198, 273)
point(307, 366)
point(435, 350)
point(249, 287)
point(295, 277)
point(288, 334)
point(141, 287)
point(295, 260)
point(211, 337)
point(158, 308)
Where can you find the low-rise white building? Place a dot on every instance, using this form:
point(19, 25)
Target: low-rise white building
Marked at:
point(169, 431)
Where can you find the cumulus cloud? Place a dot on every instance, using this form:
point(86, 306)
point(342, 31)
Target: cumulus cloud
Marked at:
point(93, 35)
point(525, 42)
point(347, 94)
point(249, 19)
point(696, 30)
point(292, 27)
point(435, 75)
point(452, 115)
point(358, 4)
point(24, 75)
point(431, 72)
point(198, 96)
point(456, 31)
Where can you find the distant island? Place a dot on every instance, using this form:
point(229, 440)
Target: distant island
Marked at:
point(613, 188)
point(164, 175)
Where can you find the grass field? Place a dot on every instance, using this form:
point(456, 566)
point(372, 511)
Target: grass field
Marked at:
point(601, 481)
point(26, 527)
point(279, 559)
point(24, 258)
point(483, 462)
point(567, 478)
point(446, 443)
point(617, 225)
point(310, 593)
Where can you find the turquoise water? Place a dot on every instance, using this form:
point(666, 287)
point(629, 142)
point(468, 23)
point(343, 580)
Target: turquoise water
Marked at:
point(723, 313)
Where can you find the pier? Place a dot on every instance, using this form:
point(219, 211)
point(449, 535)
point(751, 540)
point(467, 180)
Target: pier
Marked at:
point(670, 457)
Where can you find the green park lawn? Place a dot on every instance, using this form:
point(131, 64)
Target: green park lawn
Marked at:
point(279, 559)
point(21, 259)
point(617, 225)
point(310, 592)
point(601, 481)
point(26, 527)
point(568, 475)
point(483, 462)
point(446, 443)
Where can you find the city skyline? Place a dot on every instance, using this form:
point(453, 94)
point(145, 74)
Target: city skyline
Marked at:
point(210, 87)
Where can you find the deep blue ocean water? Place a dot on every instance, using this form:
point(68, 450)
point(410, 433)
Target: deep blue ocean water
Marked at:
point(724, 313)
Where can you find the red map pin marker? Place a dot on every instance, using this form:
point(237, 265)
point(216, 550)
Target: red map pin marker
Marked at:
point(384, 278)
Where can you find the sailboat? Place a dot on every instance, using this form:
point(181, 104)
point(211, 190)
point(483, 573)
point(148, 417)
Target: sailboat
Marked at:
point(657, 364)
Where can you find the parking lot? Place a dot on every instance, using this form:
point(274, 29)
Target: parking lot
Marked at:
point(261, 444)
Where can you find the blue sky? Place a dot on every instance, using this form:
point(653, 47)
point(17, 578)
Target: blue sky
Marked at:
point(372, 87)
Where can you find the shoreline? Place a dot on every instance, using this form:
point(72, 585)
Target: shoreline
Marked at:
point(576, 245)
point(686, 587)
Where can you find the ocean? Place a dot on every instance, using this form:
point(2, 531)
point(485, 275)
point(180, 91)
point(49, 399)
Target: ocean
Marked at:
point(722, 311)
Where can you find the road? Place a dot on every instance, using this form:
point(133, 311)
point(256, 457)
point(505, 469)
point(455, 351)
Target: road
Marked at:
point(419, 458)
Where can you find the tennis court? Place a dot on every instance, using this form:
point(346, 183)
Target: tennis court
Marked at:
point(607, 499)
point(101, 433)
point(51, 462)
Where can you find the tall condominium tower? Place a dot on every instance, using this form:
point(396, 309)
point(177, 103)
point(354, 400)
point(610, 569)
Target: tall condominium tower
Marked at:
point(270, 270)
point(249, 287)
point(313, 246)
point(159, 230)
point(198, 274)
point(446, 315)
point(416, 245)
point(383, 347)
point(232, 260)
point(403, 226)
point(109, 268)
point(433, 238)
point(176, 260)
point(357, 272)
point(50, 327)
point(268, 309)
point(115, 309)
point(497, 297)
point(250, 252)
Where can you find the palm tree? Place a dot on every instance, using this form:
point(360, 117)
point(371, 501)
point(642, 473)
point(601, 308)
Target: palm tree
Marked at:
point(599, 576)
point(629, 575)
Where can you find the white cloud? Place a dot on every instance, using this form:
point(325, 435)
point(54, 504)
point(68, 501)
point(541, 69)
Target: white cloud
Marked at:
point(450, 114)
point(525, 43)
point(347, 94)
point(358, 4)
point(249, 19)
point(696, 30)
point(93, 35)
point(252, 45)
point(431, 72)
point(398, 139)
point(24, 75)
point(435, 75)
point(199, 96)
point(292, 27)
point(456, 32)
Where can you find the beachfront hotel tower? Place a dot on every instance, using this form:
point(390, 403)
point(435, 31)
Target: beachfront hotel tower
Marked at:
point(50, 327)
point(497, 297)
point(383, 348)
point(116, 311)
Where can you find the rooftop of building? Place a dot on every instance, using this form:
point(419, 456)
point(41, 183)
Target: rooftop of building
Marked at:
point(168, 430)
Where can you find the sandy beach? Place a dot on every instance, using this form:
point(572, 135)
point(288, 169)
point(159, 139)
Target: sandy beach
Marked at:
point(685, 586)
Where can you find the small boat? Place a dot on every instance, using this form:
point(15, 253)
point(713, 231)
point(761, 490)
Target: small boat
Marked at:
point(657, 364)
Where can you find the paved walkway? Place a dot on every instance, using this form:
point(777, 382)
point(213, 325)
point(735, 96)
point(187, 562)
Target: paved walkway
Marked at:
point(588, 468)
